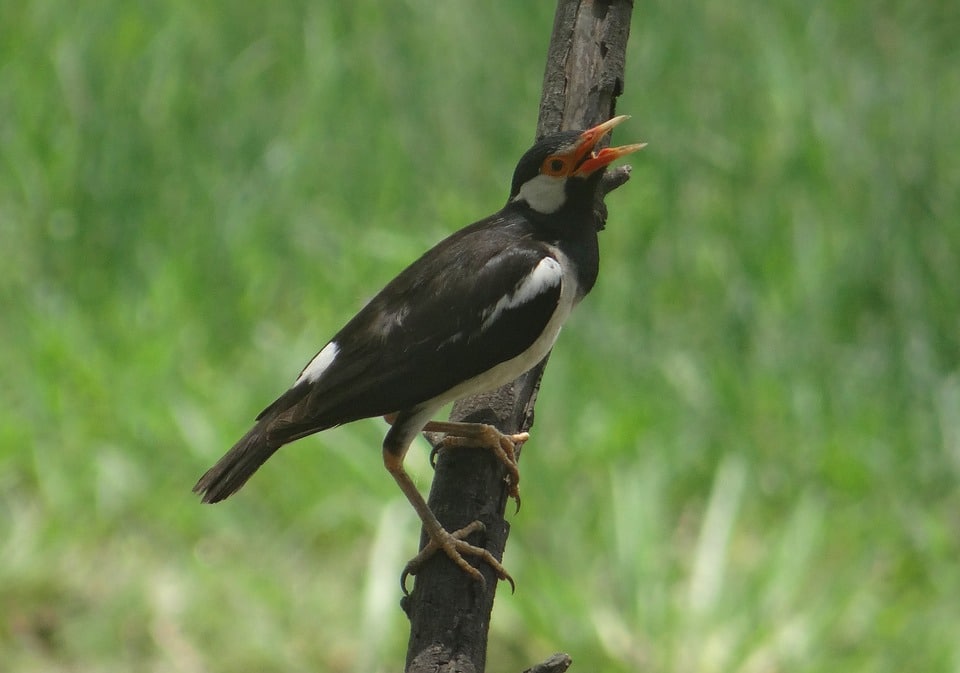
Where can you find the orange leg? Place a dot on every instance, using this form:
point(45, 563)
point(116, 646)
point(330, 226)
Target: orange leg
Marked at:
point(453, 544)
point(484, 436)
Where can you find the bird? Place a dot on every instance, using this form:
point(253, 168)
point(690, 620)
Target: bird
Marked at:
point(474, 312)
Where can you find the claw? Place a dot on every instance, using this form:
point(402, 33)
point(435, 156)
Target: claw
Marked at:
point(480, 435)
point(455, 546)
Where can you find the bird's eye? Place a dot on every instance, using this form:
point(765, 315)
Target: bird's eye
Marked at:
point(554, 166)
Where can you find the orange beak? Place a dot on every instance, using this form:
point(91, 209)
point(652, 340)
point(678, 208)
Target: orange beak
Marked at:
point(587, 160)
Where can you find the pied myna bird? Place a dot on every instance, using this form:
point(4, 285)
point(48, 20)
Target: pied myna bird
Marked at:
point(473, 313)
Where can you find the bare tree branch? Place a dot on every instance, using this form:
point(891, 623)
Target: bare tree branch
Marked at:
point(449, 612)
point(558, 663)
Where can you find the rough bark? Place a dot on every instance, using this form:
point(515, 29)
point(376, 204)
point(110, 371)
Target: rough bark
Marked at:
point(449, 612)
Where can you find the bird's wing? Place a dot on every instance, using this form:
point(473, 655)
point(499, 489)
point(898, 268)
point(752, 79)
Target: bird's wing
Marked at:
point(479, 298)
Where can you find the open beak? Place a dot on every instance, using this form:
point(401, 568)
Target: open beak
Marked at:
point(587, 160)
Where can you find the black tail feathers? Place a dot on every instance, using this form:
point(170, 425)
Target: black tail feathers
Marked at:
point(232, 471)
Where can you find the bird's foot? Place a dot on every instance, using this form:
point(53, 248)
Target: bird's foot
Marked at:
point(484, 436)
point(455, 546)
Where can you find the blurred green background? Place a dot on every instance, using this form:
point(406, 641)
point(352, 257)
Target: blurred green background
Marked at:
point(748, 441)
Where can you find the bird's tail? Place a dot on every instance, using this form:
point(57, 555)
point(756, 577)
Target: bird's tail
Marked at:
point(232, 471)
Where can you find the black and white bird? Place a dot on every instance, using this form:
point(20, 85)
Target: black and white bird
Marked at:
point(473, 313)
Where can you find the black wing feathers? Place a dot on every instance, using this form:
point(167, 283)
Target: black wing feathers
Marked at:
point(425, 332)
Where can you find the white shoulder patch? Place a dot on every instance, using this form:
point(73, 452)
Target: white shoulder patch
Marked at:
point(544, 193)
point(319, 364)
point(545, 275)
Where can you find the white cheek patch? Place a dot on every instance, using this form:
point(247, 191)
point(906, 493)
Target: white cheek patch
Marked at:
point(319, 363)
point(545, 275)
point(544, 193)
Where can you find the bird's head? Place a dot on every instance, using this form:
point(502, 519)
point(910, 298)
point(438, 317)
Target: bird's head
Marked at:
point(562, 168)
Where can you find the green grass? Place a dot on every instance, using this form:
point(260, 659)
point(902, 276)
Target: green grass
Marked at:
point(747, 450)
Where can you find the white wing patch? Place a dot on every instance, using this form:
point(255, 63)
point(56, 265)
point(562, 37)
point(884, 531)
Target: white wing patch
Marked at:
point(545, 275)
point(319, 364)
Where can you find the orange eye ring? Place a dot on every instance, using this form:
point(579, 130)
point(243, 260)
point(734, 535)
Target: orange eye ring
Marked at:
point(554, 165)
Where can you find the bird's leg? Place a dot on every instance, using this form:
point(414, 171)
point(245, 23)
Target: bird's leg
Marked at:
point(460, 547)
point(453, 544)
point(483, 435)
point(478, 435)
